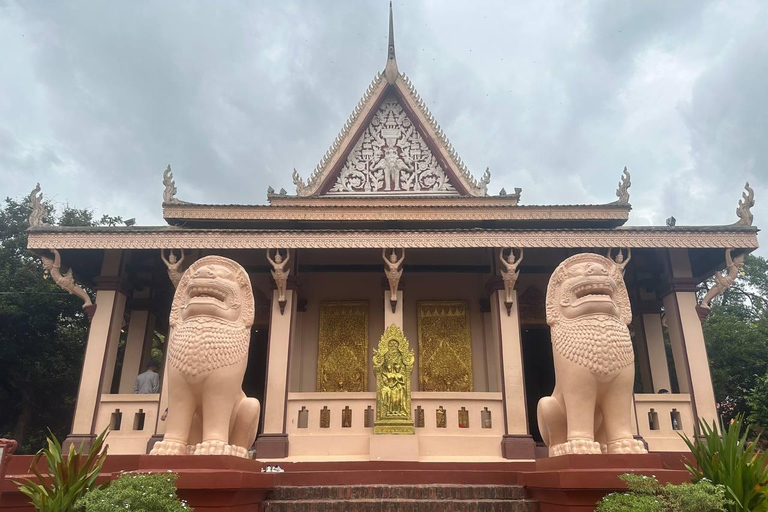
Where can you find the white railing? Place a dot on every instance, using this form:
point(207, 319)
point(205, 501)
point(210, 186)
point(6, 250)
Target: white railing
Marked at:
point(131, 420)
point(661, 418)
point(340, 425)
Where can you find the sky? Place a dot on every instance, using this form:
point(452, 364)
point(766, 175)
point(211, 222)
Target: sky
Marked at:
point(96, 98)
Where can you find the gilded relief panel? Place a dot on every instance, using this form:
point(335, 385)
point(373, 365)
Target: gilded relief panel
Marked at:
point(342, 353)
point(445, 346)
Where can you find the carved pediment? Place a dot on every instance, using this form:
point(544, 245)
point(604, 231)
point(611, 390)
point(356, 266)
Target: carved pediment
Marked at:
point(391, 157)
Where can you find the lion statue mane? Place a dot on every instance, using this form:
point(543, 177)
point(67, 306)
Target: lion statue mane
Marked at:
point(588, 311)
point(210, 332)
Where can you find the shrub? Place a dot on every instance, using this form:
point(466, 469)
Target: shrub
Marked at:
point(67, 479)
point(646, 494)
point(730, 460)
point(142, 492)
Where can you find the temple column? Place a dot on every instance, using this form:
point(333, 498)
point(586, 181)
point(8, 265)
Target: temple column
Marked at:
point(395, 317)
point(657, 353)
point(687, 338)
point(517, 442)
point(140, 328)
point(273, 442)
point(101, 349)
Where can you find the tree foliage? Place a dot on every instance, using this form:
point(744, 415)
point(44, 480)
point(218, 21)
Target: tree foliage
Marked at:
point(43, 335)
point(736, 333)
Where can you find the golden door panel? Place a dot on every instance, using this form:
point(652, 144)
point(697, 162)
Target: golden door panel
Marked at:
point(445, 346)
point(342, 353)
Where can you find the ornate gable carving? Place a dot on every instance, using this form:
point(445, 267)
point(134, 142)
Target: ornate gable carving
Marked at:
point(392, 157)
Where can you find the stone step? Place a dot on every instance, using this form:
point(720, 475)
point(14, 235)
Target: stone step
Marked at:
point(413, 492)
point(399, 505)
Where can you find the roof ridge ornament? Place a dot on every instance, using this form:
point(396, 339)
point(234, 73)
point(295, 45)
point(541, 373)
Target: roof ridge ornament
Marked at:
point(623, 191)
point(480, 185)
point(312, 181)
point(169, 194)
point(743, 211)
point(390, 71)
point(39, 210)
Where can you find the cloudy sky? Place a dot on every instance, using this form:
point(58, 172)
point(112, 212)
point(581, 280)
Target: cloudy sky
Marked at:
point(555, 97)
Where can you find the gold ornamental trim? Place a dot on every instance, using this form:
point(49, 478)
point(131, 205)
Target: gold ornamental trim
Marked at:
point(342, 346)
point(180, 238)
point(445, 346)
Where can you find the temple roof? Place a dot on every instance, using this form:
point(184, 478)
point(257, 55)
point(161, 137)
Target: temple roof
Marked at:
point(390, 145)
point(158, 237)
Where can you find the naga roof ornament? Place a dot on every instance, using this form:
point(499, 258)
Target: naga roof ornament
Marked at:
point(39, 210)
point(391, 145)
point(169, 194)
point(623, 191)
point(743, 211)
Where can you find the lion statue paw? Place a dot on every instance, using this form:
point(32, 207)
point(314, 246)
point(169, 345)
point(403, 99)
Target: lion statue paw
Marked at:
point(220, 448)
point(627, 446)
point(576, 447)
point(169, 448)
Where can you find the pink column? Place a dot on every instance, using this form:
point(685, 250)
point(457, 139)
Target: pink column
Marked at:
point(517, 442)
point(273, 442)
point(687, 338)
point(99, 361)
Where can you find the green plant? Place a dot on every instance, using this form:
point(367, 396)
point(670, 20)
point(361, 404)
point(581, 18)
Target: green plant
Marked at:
point(732, 461)
point(142, 492)
point(646, 494)
point(68, 479)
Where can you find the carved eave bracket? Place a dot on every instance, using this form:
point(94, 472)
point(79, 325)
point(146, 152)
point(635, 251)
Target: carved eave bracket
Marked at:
point(744, 210)
point(394, 271)
point(66, 281)
point(280, 275)
point(509, 275)
point(723, 281)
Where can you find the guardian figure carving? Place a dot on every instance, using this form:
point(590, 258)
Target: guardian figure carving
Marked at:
point(588, 311)
point(211, 318)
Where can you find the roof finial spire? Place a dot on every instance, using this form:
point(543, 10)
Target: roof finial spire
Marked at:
point(391, 71)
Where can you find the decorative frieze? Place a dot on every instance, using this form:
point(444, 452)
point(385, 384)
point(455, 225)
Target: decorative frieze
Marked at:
point(162, 237)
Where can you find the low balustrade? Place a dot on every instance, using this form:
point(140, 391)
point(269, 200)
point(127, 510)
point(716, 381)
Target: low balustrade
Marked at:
point(131, 420)
point(448, 424)
point(661, 418)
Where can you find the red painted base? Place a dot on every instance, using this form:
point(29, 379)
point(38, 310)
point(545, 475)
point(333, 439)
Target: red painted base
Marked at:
point(575, 483)
point(230, 484)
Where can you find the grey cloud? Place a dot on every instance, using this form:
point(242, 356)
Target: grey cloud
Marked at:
point(553, 97)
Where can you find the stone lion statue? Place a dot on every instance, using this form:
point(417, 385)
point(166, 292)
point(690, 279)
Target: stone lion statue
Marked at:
point(588, 311)
point(210, 331)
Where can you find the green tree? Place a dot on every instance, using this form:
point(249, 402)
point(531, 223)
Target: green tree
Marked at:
point(736, 333)
point(43, 335)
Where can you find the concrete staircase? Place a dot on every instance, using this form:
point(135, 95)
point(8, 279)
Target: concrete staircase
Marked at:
point(399, 498)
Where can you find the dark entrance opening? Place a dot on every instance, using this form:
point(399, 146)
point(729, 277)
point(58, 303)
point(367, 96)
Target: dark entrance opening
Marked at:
point(255, 380)
point(539, 371)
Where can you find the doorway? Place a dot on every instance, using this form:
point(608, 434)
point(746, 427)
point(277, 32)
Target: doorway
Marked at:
point(539, 371)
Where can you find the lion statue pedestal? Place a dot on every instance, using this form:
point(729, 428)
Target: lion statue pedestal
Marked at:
point(211, 318)
point(588, 311)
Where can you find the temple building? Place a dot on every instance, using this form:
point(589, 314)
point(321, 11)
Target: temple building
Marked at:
point(391, 228)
